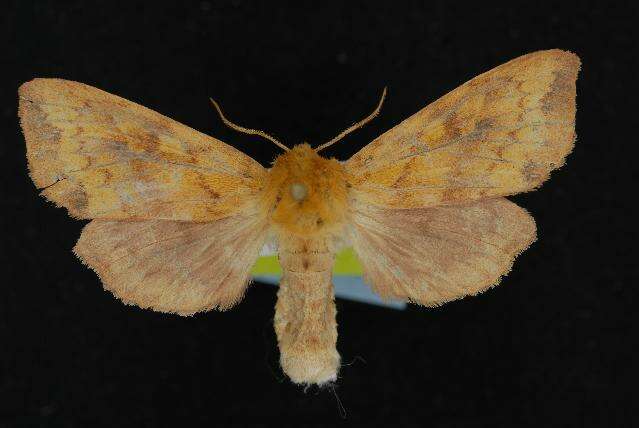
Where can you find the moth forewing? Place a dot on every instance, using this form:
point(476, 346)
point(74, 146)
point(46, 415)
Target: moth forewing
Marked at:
point(499, 134)
point(101, 156)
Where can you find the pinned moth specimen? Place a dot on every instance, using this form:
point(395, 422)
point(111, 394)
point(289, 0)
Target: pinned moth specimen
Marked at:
point(178, 218)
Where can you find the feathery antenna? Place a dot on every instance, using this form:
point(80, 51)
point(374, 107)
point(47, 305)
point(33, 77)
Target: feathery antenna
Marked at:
point(355, 126)
point(247, 130)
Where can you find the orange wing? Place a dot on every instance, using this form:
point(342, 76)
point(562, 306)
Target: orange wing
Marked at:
point(499, 134)
point(101, 156)
point(429, 223)
point(433, 255)
point(174, 266)
point(177, 223)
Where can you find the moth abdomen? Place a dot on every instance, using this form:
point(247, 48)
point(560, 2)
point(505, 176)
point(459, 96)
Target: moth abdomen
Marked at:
point(305, 312)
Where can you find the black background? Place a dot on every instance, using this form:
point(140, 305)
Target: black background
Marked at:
point(551, 346)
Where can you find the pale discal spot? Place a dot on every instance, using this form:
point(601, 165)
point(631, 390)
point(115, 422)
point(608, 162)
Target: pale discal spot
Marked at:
point(299, 191)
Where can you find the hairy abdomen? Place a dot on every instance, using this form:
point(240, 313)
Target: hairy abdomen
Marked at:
point(305, 312)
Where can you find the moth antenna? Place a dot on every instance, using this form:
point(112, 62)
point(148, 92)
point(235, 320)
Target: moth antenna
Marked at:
point(247, 130)
point(340, 406)
point(356, 125)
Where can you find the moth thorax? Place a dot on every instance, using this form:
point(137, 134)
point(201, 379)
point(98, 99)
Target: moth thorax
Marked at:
point(306, 194)
point(299, 191)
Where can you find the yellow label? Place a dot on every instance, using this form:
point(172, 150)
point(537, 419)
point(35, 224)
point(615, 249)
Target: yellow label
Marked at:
point(346, 263)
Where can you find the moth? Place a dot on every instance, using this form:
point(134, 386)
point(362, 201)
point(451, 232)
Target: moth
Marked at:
point(178, 218)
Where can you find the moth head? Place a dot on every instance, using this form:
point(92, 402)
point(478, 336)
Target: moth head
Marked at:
point(306, 193)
